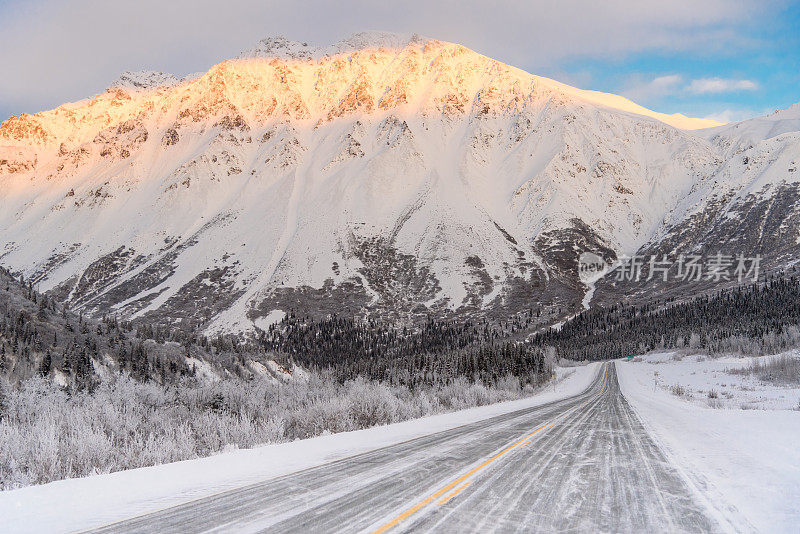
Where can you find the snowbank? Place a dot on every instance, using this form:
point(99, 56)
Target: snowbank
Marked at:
point(78, 504)
point(744, 463)
point(707, 381)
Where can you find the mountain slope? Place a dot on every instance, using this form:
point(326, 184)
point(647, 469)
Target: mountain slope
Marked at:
point(384, 175)
point(749, 206)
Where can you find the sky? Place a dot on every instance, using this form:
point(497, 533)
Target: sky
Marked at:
point(723, 59)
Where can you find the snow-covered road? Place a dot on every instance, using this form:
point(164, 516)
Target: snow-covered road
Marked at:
point(584, 463)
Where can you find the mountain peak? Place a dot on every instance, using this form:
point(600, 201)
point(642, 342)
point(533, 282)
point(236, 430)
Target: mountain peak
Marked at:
point(144, 79)
point(279, 47)
point(378, 39)
point(792, 112)
point(282, 48)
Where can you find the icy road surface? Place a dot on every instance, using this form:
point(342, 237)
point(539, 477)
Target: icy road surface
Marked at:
point(582, 464)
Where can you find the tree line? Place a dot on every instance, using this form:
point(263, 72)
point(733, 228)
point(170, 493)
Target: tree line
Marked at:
point(436, 352)
point(41, 336)
point(754, 318)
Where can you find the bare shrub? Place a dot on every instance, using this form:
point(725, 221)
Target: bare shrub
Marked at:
point(782, 369)
point(678, 390)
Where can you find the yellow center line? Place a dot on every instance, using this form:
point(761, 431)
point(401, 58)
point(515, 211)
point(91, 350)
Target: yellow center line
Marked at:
point(446, 498)
point(459, 480)
point(422, 504)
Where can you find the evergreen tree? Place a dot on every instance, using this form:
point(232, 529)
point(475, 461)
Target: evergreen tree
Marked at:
point(46, 363)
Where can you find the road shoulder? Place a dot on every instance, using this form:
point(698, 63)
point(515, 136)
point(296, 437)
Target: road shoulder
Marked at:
point(745, 464)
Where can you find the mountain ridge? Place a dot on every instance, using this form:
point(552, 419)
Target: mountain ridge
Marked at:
point(393, 182)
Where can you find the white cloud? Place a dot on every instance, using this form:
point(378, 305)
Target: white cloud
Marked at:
point(726, 115)
point(640, 90)
point(651, 91)
point(720, 85)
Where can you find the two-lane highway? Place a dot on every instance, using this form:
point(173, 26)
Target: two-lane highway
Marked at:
point(582, 464)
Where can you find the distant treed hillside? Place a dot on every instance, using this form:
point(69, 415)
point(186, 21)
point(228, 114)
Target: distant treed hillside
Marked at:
point(750, 319)
point(438, 352)
point(40, 336)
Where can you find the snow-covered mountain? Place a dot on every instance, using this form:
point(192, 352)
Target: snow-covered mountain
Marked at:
point(389, 175)
point(751, 202)
point(749, 205)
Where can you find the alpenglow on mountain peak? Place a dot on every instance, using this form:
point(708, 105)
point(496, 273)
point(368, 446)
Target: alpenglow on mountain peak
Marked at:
point(364, 73)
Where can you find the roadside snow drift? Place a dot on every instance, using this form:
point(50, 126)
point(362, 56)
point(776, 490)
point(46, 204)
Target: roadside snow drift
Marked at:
point(745, 463)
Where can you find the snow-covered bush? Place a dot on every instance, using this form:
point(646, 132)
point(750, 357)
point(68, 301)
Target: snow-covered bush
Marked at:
point(48, 433)
point(780, 369)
